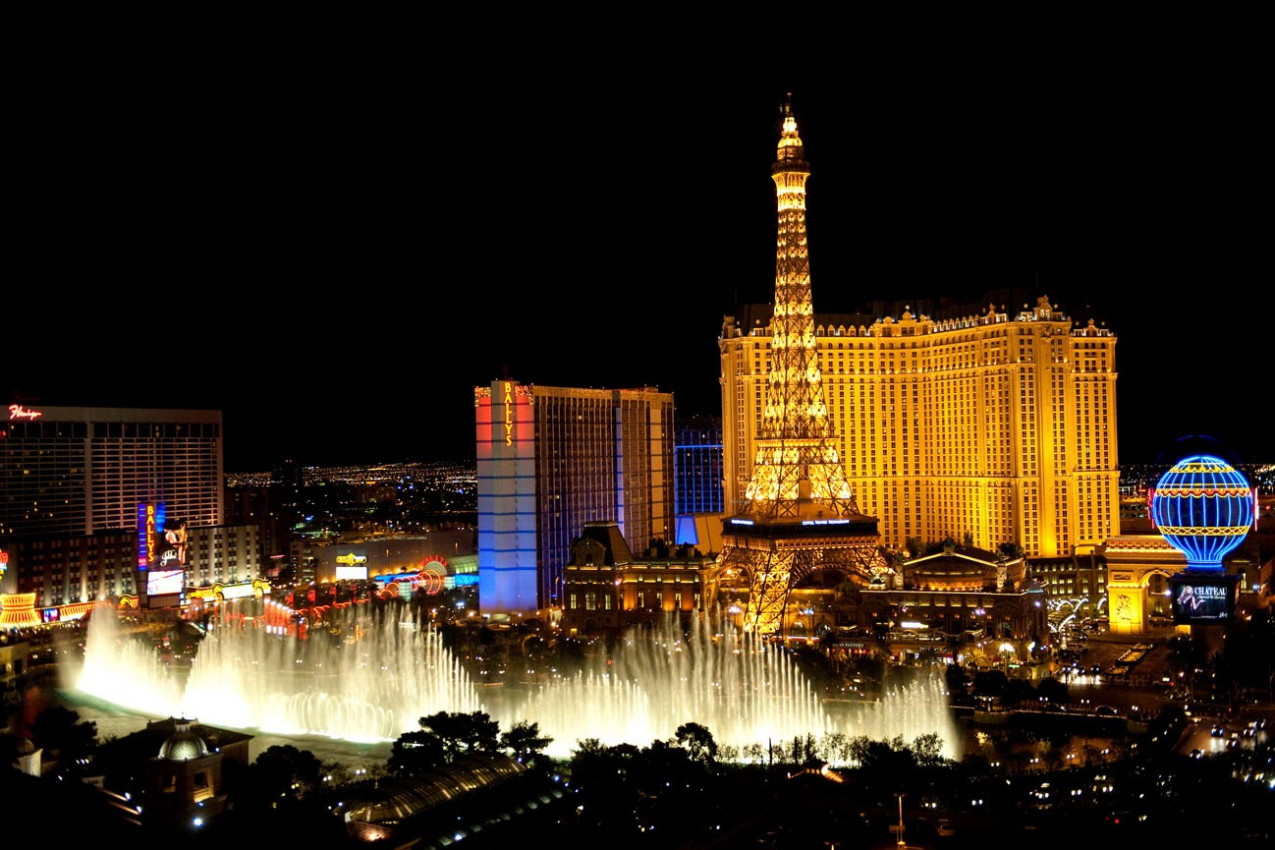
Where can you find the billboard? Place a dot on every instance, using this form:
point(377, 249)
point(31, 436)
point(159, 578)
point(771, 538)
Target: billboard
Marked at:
point(1203, 598)
point(351, 573)
point(157, 544)
point(162, 582)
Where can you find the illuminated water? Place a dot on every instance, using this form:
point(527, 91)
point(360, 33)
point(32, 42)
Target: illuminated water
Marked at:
point(747, 693)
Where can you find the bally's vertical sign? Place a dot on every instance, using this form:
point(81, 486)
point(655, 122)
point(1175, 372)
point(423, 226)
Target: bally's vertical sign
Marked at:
point(150, 530)
point(509, 413)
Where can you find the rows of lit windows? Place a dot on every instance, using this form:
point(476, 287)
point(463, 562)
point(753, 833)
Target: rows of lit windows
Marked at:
point(930, 406)
point(578, 458)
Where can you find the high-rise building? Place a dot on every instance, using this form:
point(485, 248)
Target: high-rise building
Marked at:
point(81, 487)
point(81, 470)
point(551, 459)
point(697, 461)
point(798, 512)
point(987, 427)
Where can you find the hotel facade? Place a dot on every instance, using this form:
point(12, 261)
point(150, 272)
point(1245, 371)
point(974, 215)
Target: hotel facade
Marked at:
point(549, 460)
point(75, 483)
point(81, 470)
point(987, 427)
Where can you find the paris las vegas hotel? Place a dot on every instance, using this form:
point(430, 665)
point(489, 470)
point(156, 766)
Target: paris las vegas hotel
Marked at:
point(972, 423)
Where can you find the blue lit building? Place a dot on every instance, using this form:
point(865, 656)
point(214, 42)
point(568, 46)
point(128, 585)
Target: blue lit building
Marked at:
point(549, 460)
point(697, 461)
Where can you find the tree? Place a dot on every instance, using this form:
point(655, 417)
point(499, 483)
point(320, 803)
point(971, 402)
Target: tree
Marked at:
point(10, 749)
point(1054, 691)
point(604, 779)
point(59, 731)
point(1011, 550)
point(697, 741)
point(990, 683)
point(928, 749)
point(524, 741)
point(286, 771)
point(1019, 690)
point(956, 677)
point(414, 753)
point(836, 746)
point(462, 734)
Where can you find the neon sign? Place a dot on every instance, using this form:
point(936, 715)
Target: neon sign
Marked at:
point(351, 559)
point(1204, 508)
point(143, 557)
point(150, 533)
point(4, 561)
point(150, 520)
point(509, 414)
point(17, 411)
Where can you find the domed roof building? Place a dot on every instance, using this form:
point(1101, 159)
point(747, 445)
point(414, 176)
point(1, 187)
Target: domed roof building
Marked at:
point(183, 744)
point(183, 781)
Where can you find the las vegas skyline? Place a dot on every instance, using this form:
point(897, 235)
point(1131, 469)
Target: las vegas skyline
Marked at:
point(335, 260)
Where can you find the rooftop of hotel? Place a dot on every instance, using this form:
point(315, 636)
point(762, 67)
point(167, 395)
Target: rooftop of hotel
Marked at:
point(881, 320)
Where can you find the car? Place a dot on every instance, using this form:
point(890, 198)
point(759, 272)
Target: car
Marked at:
point(1195, 754)
point(1217, 731)
point(1105, 711)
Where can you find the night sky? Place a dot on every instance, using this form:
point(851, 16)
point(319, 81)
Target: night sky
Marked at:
point(333, 232)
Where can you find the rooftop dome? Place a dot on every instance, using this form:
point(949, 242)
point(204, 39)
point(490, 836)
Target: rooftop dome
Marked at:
point(183, 744)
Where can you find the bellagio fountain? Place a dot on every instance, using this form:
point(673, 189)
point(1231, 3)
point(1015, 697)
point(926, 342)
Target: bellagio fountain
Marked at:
point(381, 673)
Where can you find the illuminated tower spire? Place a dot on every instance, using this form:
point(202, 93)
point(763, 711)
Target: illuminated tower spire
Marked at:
point(796, 459)
point(800, 515)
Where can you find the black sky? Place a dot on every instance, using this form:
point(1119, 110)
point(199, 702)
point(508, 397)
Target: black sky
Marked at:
point(334, 232)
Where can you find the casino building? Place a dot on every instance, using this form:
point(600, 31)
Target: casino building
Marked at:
point(81, 470)
point(997, 424)
point(75, 483)
point(608, 587)
point(551, 459)
point(958, 595)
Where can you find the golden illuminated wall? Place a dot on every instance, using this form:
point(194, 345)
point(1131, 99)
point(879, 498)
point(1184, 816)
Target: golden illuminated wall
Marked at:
point(996, 425)
point(1132, 561)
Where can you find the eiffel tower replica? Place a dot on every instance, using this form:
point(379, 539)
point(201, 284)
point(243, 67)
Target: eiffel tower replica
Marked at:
point(800, 514)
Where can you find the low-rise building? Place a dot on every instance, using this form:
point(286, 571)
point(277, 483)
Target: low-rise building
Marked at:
point(951, 599)
point(605, 587)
